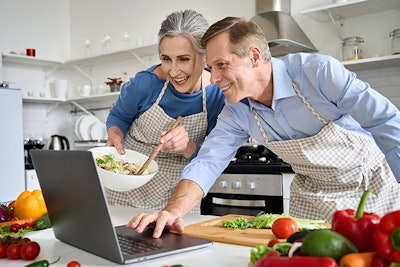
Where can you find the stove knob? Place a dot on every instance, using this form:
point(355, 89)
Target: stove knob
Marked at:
point(224, 184)
point(237, 185)
point(252, 185)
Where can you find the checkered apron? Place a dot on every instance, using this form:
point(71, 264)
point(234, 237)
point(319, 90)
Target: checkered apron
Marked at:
point(332, 170)
point(144, 136)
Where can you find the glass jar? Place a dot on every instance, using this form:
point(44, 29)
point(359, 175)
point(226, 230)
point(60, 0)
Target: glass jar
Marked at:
point(395, 34)
point(352, 48)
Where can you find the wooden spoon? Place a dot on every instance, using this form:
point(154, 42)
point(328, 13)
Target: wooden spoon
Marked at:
point(157, 149)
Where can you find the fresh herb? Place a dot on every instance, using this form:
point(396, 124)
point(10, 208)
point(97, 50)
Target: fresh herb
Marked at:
point(266, 221)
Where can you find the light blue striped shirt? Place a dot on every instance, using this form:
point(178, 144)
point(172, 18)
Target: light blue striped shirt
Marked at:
point(336, 94)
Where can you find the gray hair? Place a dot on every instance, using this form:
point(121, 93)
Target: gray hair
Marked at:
point(187, 23)
point(243, 34)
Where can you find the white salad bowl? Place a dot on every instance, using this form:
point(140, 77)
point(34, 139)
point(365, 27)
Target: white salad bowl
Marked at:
point(124, 182)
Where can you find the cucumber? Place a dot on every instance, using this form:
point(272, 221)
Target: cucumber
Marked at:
point(299, 235)
point(43, 222)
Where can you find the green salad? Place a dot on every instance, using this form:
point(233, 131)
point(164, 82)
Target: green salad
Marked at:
point(110, 163)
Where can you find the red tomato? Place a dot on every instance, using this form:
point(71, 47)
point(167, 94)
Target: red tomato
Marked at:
point(272, 242)
point(30, 250)
point(73, 264)
point(14, 252)
point(284, 227)
point(3, 251)
point(23, 241)
point(11, 204)
point(14, 228)
point(273, 253)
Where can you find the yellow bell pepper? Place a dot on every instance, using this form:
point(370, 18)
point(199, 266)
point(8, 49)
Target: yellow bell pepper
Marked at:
point(30, 205)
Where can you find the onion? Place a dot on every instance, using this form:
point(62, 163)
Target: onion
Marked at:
point(3, 214)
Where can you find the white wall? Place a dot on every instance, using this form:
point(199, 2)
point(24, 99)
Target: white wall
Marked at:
point(40, 24)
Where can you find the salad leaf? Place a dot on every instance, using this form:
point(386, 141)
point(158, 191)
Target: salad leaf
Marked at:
point(260, 251)
point(237, 223)
point(110, 163)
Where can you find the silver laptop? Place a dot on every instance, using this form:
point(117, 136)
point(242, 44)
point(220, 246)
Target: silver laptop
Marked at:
point(80, 217)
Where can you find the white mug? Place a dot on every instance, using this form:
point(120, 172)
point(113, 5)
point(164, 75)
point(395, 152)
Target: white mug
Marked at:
point(61, 88)
point(85, 90)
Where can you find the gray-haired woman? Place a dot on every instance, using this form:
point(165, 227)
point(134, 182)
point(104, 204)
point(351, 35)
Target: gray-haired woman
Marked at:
point(151, 101)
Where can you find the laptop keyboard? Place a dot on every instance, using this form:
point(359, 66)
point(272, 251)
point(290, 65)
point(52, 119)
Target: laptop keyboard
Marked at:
point(131, 245)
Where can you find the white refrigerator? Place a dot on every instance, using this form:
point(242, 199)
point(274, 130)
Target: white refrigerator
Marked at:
point(12, 164)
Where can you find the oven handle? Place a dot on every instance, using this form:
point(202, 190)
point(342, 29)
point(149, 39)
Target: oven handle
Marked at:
point(238, 202)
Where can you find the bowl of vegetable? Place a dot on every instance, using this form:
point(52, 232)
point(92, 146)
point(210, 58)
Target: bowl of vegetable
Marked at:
point(117, 172)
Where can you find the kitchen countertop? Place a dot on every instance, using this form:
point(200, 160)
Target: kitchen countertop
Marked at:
point(219, 254)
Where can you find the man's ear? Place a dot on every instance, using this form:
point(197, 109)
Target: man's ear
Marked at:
point(255, 55)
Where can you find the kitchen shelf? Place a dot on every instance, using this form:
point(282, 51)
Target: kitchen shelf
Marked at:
point(92, 143)
point(146, 50)
point(373, 63)
point(27, 60)
point(101, 97)
point(350, 8)
point(42, 100)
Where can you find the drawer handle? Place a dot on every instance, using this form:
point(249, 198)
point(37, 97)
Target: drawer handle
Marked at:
point(238, 202)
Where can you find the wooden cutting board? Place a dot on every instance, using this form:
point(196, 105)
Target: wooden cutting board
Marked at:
point(212, 230)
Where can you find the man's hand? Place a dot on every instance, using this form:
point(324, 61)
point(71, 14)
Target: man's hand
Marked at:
point(160, 220)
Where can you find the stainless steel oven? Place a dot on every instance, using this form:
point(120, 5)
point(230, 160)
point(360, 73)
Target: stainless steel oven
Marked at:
point(253, 182)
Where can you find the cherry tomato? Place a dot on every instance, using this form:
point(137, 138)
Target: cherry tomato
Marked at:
point(272, 242)
point(23, 241)
point(11, 204)
point(3, 251)
point(273, 253)
point(284, 227)
point(14, 228)
point(73, 264)
point(30, 250)
point(14, 252)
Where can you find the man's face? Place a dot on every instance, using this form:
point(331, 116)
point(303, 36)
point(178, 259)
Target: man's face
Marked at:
point(233, 74)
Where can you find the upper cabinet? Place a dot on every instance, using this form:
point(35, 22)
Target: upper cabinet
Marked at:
point(349, 9)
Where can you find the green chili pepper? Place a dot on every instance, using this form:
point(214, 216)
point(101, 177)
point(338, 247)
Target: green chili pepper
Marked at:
point(42, 263)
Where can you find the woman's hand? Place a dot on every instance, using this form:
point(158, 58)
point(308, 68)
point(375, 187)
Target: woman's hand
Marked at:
point(178, 140)
point(116, 139)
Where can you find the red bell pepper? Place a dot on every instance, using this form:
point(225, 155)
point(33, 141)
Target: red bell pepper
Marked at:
point(358, 226)
point(387, 238)
point(296, 261)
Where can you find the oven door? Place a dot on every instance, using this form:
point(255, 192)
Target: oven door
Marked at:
point(221, 204)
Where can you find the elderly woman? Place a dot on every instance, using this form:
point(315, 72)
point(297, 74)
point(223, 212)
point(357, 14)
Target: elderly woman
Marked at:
point(151, 101)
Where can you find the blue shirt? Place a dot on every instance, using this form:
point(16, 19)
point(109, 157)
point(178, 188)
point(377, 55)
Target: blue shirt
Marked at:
point(141, 92)
point(334, 92)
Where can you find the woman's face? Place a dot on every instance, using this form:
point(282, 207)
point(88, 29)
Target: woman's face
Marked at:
point(181, 64)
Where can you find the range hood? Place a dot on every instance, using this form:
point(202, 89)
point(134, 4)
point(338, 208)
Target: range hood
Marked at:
point(283, 34)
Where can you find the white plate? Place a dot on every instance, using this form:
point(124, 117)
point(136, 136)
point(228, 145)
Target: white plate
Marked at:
point(78, 121)
point(98, 131)
point(84, 126)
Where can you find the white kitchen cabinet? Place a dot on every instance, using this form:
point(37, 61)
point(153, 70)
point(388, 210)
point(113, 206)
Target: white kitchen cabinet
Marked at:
point(287, 179)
